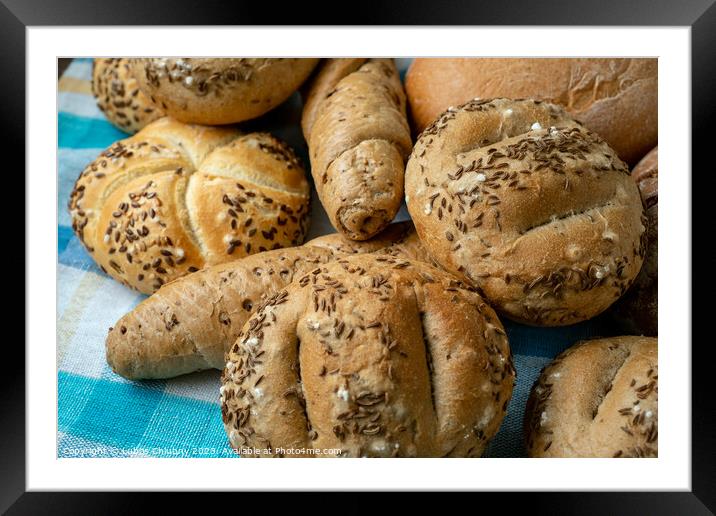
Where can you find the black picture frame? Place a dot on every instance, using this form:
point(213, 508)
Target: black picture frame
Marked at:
point(700, 15)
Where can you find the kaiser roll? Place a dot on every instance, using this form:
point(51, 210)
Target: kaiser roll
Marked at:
point(175, 197)
point(216, 91)
point(372, 356)
point(119, 97)
point(616, 98)
point(523, 202)
point(597, 399)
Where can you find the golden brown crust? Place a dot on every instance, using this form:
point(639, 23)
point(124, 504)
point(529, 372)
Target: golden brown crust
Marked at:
point(372, 355)
point(523, 202)
point(638, 309)
point(189, 323)
point(355, 124)
point(597, 399)
point(216, 91)
point(616, 98)
point(175, 197)
point(119, 97)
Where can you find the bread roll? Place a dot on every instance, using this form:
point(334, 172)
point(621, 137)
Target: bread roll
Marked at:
point(217, 91)
point(188, 324)
point(374, 356)
point(175, 198)
point(523, 202)
point(358, 137)
point(638, 310)
point(616, 98)
point(119, 97)
point(597, 399)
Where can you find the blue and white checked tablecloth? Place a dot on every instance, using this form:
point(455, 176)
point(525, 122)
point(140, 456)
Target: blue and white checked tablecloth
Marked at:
point(100, 414)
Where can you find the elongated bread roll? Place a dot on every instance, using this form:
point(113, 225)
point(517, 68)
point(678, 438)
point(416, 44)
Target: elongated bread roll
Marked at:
point(189, 323)
point(358, 136)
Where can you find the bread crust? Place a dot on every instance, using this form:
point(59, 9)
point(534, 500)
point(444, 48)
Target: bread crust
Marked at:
point(638, 309)
point(215, 91)
point(189, 323)
point(520, 200)
point(119, 97)
point(372, 355)
point(175, 198)
point(616, 98)
point(599, 398)
point(358, 136)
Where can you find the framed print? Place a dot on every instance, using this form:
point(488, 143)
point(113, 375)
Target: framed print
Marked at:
point(413, 244)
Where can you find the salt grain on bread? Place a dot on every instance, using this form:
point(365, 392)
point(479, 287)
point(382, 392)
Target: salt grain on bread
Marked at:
point(597, 399)
point(119, 97)
point(176, 197)
point(358, 137)
point(216, 91)
point(188, 324)
point(373, 356)
point(523, 202)
point(614, 97)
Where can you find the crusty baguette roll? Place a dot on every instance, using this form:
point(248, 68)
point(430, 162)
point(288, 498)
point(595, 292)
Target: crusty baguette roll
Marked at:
point(189, 323)
point(175, 198)
point(638, 309)
point(372, 355)
point(216, 91)
point(119, 97)
point(358, 137)
point(616, 98)
point(523, 202)
point(597, 399)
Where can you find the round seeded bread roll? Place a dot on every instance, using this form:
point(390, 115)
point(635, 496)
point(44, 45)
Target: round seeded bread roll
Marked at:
point(616, 98)
point(638, 309)
point(119, 97)
point(597, 399)
point(174, 198)
point(526, 204)
point(371, 355)
point(217, 91)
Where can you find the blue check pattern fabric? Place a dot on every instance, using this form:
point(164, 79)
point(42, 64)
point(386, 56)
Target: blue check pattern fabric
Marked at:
point(99, 413)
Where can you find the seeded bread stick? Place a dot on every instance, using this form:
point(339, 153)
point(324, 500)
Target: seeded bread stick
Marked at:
point(189, 323)
point(358, 137)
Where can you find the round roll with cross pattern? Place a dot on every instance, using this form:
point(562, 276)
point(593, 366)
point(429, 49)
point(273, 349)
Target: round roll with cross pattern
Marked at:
point(217, 91)
point(119, 97)
point(599, 398)
point(175, 198)
point(526, 204)
point(369, 356)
